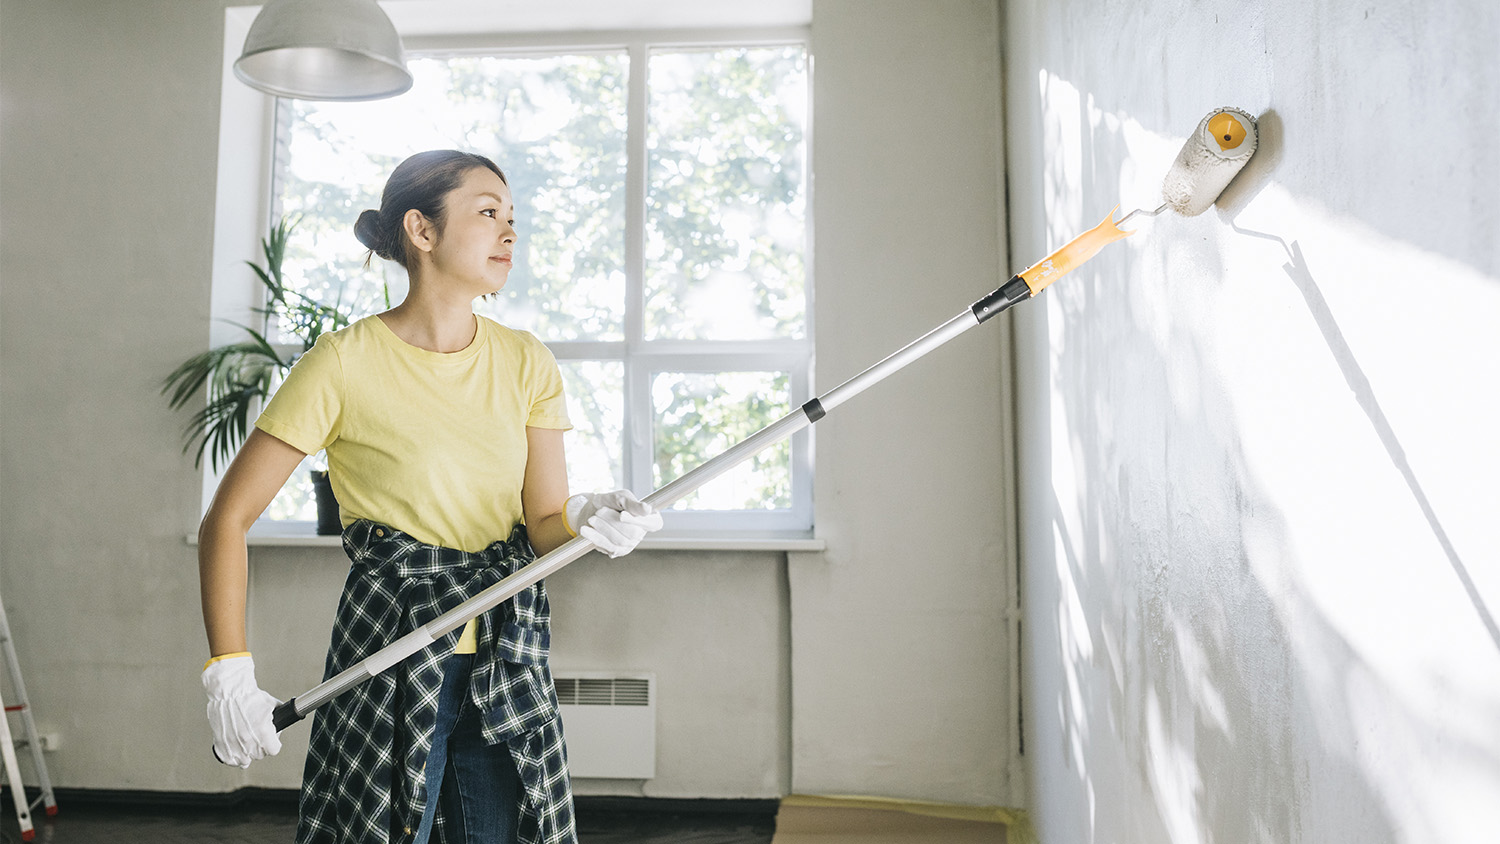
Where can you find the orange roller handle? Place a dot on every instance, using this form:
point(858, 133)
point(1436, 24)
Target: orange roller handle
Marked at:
point(1073, 254)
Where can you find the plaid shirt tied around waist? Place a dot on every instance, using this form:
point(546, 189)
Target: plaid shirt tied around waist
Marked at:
point(365, 777)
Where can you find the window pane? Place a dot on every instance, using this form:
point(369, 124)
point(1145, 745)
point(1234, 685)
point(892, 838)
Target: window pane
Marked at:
point(596, 406)
point(726, 200)
point(700, 414)
point(555, 125)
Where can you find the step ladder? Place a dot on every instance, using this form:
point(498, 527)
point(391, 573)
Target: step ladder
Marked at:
point(32, 740)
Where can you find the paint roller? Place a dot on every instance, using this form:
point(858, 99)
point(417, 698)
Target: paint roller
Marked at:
point(1215, 152)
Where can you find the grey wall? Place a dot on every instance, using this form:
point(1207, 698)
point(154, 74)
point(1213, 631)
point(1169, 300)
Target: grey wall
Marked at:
point(878, 667)
point(1257, 447)
point(900, 638)
point(107, 156)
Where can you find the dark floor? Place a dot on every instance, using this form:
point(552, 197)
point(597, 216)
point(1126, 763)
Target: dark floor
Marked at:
point(115, 819)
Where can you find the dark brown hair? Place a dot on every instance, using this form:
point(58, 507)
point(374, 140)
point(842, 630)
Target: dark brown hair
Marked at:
point(423, 182)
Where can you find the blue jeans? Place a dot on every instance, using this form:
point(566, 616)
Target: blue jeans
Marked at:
point(476, 783)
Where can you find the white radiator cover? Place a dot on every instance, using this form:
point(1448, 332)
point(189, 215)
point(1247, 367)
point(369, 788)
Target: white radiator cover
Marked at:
point(609, 722)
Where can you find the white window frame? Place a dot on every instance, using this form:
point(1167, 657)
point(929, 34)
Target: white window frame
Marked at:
point(248, 114)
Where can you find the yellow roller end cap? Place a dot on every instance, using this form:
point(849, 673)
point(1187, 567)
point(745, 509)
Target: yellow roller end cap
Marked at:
point(1227, 131)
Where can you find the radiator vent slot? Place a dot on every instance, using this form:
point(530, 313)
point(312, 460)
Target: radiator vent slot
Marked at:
point(603, 691)
point(609, 719)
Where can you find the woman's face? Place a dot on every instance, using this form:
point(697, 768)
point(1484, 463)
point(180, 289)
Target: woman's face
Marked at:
point(479, 235)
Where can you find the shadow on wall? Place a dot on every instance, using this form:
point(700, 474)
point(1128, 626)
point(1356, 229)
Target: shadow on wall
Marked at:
point(1208, 634)
point(1364, 393)
point(1245, 187)
point(1217, 674)
point(1164, 583)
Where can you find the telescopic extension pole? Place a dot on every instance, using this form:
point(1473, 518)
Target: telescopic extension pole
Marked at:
point(1213, 154)
point(1017, 289)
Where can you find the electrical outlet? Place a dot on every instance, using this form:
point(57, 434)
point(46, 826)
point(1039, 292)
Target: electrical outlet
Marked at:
point(50, 741)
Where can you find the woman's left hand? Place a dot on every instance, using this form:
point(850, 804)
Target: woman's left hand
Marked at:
point(614, 521)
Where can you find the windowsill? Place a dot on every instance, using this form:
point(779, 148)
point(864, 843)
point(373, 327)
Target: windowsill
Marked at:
point(304, 535)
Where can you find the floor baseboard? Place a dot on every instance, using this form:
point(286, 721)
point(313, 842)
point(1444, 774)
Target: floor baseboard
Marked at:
point(286, 798)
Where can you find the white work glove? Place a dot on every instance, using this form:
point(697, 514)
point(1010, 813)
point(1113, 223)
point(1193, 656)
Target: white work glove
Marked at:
point(615, 521)
point(239, 712)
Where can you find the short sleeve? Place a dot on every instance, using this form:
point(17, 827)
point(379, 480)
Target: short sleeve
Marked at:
point(549, 406)
point(306, 409)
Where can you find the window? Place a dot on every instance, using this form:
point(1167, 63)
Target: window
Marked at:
point(662, 205)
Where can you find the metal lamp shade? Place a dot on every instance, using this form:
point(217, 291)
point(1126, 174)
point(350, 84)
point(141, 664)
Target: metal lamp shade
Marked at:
point(324, 50)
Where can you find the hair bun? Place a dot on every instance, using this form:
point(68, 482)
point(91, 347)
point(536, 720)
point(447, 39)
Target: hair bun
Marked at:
point(367, 229)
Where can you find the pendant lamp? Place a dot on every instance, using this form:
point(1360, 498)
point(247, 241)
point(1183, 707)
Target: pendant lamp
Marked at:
point(324, 50)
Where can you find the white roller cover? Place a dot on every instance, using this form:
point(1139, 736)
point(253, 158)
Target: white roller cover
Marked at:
point(1213, 154)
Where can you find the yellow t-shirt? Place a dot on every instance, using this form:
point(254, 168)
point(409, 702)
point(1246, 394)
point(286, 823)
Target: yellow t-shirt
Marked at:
point(432, 444)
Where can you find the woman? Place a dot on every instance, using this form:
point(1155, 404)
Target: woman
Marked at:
point(444, 435)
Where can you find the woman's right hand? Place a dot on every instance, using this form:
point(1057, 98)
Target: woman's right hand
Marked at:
point(239, 712)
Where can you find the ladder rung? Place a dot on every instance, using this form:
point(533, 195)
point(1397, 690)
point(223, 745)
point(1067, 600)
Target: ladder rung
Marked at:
point(17, 708)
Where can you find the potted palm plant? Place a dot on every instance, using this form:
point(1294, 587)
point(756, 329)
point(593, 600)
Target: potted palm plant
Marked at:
point(241, 376)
